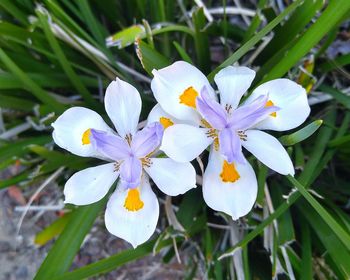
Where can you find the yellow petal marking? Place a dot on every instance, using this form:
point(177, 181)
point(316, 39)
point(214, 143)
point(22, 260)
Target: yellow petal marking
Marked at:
point(165, 122)
point(229, 173)
point(133, 201)
point(86, 137)
point(188, 97)
point(269, 104)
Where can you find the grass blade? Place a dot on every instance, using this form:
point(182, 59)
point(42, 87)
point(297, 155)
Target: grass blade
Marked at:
point(74, 78)
point(301, 134)
point(335, 11)
point(338, 230)
point(36, 90)
point(252, 42)
point(67, 245)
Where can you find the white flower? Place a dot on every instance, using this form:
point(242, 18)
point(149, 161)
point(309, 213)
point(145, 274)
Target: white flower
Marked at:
point(229, 182)
point(132, 210)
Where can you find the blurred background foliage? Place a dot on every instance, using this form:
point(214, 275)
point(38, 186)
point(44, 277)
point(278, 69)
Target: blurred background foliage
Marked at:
point(60, 53)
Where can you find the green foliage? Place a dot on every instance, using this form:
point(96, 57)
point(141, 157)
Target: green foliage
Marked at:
point(62, 53)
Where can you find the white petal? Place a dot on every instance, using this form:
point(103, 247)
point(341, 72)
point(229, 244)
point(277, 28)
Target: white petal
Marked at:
point(235, 199)
point(290, 97)
point(183, 142)
point(171, 177)
point(70, 127)
point(123, 106)
point(90, 185)
point(269, 151)
point(170, 82)
point(233, 82)
point(157, 113)
point(136, 227)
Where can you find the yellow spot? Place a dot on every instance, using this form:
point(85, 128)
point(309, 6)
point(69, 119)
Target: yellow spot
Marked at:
point(229, 173)
point(133, 201)
point(188, 97)
point(269, 104)
point(165, 122)
point(86, 137)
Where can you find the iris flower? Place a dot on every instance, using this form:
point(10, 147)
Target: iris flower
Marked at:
point(132, 210)
point(199, 120)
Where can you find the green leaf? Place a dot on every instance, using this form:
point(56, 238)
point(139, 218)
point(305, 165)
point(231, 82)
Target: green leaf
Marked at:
point(10, 6)
point(340, 141)
point(290, 29)
point(52, 230)
point(337, 95)
point(21, 177)
point(306, 177)
point(183, 53)
point(334, 247)
point(61, 255)
point(74, 78)
point(16, 103)
point(126, 36)
point(338, 62)
point(150, 58)
point(47, 80)
point(18, 149)
point(301, 134)
point(334, 12)
point(306, 261)
point(255, 21)
point(92, 23)
point(338, 230)
point(252, 42)
point(201, 41)
point(111, 263)
point(37, 91)
point(285, 232)
point(117, 260)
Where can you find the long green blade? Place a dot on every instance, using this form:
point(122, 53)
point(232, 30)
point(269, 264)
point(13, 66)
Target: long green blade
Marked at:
point(252, 42)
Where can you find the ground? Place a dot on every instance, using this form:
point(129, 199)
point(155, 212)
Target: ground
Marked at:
point(20, 257)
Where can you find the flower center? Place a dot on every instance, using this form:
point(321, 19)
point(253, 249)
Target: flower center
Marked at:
point(229, 173)
point(188, 97)
point(269, 104)
point(86, 137)
point(165, 122)
point(133, 201)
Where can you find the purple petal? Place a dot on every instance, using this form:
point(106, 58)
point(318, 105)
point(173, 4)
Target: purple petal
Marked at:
point(109, 145)
point(230, 146)
point(211, 110)
point(130, 172)
point(248, 115)
point(147, 140)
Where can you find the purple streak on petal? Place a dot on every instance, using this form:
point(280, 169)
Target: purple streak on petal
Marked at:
point(230, 146)
point(109, 145)
point(211, 110)
point(130, 172)
point(147, 140)
point(246, 116)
